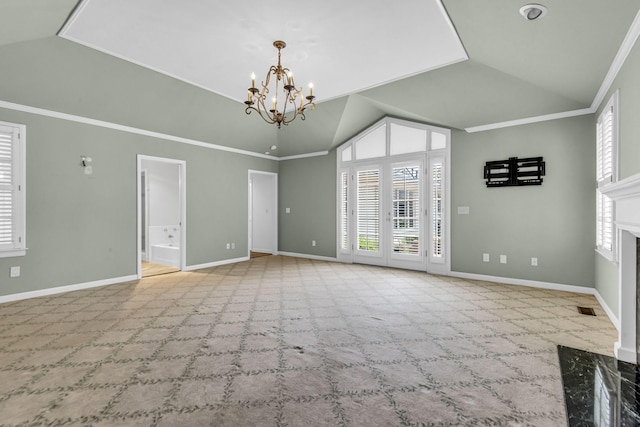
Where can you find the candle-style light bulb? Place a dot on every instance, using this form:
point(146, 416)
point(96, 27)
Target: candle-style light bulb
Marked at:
point(274, 101)
point(310, 89)
point(253, 80)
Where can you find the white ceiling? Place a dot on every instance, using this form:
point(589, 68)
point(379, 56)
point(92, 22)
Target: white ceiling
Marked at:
point(341, 46)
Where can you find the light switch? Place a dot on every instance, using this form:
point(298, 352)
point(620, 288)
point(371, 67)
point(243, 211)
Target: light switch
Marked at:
point(463, 210)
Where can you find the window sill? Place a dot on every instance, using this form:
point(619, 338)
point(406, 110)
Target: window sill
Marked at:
point(608, 255)
point(13, 253)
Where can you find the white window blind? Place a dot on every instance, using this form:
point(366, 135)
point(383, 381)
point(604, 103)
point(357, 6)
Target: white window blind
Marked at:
point(605, 145)
point(436, 172)
point(406, 209)
point(344, 211)
point(11, 190)
point(604, 227)
point(606, 172)
point(368, 212)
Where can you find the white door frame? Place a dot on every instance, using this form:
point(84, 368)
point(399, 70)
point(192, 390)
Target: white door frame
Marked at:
point(250, 213)
point(182, 185)
point(146, 213)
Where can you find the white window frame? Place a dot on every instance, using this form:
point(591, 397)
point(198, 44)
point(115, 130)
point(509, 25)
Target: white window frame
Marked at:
point(347, 161)
point(607, 173)
point(17, 186)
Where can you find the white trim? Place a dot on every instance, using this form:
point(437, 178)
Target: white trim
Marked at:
point(624, 188)
point(618, 62)
point(68, 288)
point(304, 156)
point(215, 263)
point(130, 129)
point(525, 282)
point(144, 132)
point(307, 256)
point(614, 319)
point(529, 120)
point(543, 285)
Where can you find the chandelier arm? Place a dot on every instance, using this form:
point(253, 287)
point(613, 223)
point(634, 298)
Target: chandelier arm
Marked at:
point(267, 119)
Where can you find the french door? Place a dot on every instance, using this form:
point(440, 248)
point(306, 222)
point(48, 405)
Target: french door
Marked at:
point(388, 216)
point(392, 196)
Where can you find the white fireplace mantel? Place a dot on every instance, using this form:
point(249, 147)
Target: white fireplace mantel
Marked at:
point(626, 195)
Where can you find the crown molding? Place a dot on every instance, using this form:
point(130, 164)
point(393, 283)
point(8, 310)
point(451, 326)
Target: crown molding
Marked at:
point(129, 129)
point(619, 60)
point(528, 120)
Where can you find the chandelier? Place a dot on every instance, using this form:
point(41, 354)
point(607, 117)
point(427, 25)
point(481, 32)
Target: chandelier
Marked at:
point(287, 103)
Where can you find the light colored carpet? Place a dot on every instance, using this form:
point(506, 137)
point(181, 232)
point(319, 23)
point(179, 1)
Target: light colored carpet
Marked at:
point(286, 341)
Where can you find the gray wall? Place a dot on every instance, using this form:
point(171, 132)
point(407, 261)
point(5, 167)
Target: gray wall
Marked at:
point(308, 187)
point(629, 85)
point(82, 228)
point(554, 222)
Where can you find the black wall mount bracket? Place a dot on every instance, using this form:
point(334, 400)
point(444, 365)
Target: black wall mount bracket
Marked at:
point(514, 172)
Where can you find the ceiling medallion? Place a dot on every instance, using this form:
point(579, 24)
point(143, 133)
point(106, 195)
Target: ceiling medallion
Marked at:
point(287, 102)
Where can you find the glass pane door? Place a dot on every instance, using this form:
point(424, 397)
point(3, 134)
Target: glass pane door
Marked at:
point(406, 215)
point(368, 239)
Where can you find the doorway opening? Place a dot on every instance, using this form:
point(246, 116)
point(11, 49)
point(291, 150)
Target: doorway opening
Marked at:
point(263, 213)
point(161, 215)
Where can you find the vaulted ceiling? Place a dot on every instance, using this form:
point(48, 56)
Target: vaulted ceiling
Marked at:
point(515, 69)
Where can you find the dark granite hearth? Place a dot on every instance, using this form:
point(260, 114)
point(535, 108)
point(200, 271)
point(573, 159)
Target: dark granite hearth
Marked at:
point(599, 390)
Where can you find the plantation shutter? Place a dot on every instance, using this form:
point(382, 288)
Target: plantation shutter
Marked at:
point(406, 209)
point(606, 166)
point(368, 211)
point(8, 188)
point(436, 178)
point(604, 225)
point(605, 146)
point(344, 211)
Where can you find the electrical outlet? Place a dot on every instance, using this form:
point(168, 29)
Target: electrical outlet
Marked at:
point(287, 210)
point(534, 261)
point(233, 245)
point(503, 259)
point(228, 245)
point(485, 258)
point(313, 243)
point(14, 271)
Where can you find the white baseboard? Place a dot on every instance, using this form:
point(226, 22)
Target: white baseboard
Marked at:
point(68, 288)
point(215, 263)
point(524, 282)
point(543, 285)
point(607, 309)
point(307, 256)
